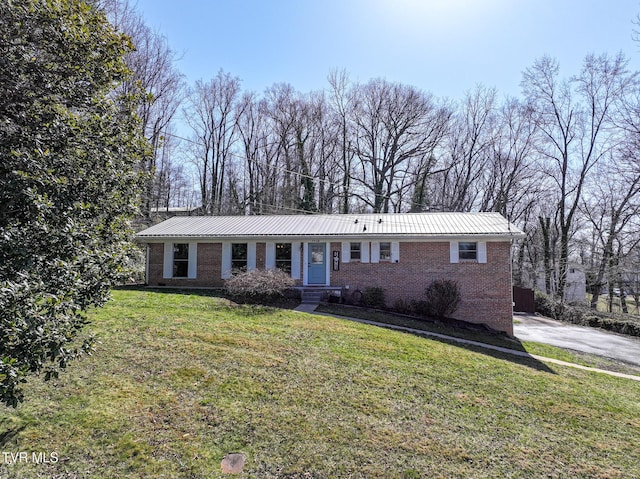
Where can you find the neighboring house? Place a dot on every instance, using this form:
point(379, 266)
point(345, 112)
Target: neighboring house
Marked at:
point(401, 253)
point(169, 211)
point(576, 286)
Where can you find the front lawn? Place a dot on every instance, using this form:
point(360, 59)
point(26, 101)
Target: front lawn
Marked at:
point(179, 380)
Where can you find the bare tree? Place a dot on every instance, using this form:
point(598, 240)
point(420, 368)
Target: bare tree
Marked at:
point(341, 105)
point(573, 131)
point(156, 81)
point(510, 176)
point(469, 146)
point(212, 114)
point(252, 131)
point(611, 207)
point(393, 124)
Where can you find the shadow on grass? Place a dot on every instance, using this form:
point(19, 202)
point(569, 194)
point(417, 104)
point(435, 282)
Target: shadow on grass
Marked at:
point(517, 353)
point(468, 336)
point(252, 307)
point(208, 292)
point(451, 332)
point(7, 435)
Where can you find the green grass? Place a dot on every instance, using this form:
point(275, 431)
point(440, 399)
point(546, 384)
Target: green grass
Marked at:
point(179, 381)
point(578, 357)
point(603, 304)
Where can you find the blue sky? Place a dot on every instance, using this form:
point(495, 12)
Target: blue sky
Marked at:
point(445, 47)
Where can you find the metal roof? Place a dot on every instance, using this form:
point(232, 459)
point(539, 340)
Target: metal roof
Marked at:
point(398, 225)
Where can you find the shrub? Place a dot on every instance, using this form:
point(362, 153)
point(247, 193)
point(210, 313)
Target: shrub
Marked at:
point(374, 297)
point(582, 315)
point(547, 306)
point(419, 307)
point(403, 306)
point(441, 298)
point(259, 285)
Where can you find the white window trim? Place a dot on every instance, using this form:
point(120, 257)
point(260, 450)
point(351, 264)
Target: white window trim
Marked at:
point(251, 255)
point(295, 259)
point(193, 260)
point(395, 251)
point(167, 272)
point(454, 255)
point(375, 251)
point(370, 251)
point(226, 257)
point(364, 252)
point(270, 255)
point(346, 251)
point(226, 261)
point(365, 257)
point(481, 252)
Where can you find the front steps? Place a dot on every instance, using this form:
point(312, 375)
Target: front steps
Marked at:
point(312, 297)
point(315, 294)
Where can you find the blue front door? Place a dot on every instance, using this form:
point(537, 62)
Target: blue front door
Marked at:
point(317, 263)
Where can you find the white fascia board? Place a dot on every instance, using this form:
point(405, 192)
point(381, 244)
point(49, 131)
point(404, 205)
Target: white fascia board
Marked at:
point(336, 238)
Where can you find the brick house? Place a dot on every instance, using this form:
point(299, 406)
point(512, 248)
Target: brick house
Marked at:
point(401, 253)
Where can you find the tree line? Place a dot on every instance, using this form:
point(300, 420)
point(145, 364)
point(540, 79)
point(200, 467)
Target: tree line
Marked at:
point(560, 161)
point(90, 99)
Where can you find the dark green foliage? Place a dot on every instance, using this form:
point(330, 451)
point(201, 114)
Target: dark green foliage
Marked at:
point(374, 297)
point(68, 181)
point(585, 316)
point(403, 306)
point(258, 285)
point(441, 298)
point(547, 306)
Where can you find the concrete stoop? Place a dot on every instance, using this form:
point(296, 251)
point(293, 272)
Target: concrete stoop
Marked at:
point(312, 297)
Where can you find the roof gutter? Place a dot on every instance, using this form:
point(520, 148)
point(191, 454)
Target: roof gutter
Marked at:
point(320, 237)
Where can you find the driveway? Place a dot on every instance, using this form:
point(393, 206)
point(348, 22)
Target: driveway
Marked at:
point(528, 327)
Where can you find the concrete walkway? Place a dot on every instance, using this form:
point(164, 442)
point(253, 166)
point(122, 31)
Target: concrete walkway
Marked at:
point(310, 308)
point(306, 307)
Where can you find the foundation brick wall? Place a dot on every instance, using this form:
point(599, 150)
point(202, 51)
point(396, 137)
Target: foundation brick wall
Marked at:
point(485, 287)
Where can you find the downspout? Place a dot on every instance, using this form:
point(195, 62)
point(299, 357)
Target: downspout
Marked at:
point(511, 244)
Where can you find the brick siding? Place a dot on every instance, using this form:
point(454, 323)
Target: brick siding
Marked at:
point(485, 287)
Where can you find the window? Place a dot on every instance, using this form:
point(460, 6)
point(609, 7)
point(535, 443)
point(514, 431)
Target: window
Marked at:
point(468, 250)
point(239, 256)
point(355, 251)
point(283, 257)
point(385, 251)
point(180, 260)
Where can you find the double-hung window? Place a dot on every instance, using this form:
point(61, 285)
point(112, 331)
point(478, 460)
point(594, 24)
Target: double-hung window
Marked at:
point(385, 251)
point(180, 260)
point(468, 250)
point(283, 257)
point(239, 256)
point(356, 251)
